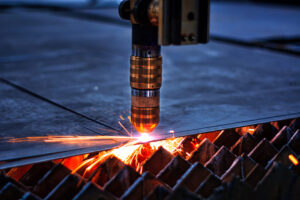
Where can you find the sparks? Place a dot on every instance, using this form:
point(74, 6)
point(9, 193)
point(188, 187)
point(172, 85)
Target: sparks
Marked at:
point(131, 153)
point(129, 134)
point(293, 159)
point(144, 137)
point(72, 139)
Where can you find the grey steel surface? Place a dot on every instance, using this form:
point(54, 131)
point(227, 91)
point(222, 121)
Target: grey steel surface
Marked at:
point(84, 67)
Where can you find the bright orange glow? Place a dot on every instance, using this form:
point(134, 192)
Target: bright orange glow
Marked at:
point(145, 137)
point(169, 144)
point(82, 164)
point(144, 128)
point(131, 153)
point(251, 130)
point(73, 162)
point(88, 140)
point(153, 126)
point(124, 152)
point(293, 159)
point(121, 117)
point(246, 129)
point(128, 153)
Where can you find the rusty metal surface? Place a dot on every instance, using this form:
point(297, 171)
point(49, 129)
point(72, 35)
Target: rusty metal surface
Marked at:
point(84, 66)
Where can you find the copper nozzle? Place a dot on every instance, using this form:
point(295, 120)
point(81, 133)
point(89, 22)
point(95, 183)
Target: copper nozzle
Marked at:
point(145, 73)
point(144, 120)
point(145, 110)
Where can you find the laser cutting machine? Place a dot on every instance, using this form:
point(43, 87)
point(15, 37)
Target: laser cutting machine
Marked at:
point(157, 23)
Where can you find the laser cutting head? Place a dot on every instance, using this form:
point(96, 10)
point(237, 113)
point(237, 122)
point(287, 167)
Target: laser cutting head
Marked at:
point(155, 23)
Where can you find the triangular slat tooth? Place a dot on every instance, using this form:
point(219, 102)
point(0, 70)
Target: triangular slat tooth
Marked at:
point(193, 177)
point(173, 171)
point(6, 179)
point(234, 170)
point(282, 137)
point(226, 138)
point(244, 145)
point(142, 187)
point(157, 161)
point(283, 156)
point(18, 172)
point(263, 152)
point(221, 161)
point(121, 181)
point(159, 193)
point(235, 189)
point(278, 176)
point(50, 180)
point(73, 162)
point(240, 168)
point(249, 163)
point(265, 130)
point(204, 152)
point(67, 188)
point(11, 192)
point(107, 170)
point(295, 124)
point(91, 191)
point(208, 185)
point(35, 173)
point(30, 196)
point(186, 146)
point(294, 142)
point(280, 124)
point(255, 175)
point(211, 136)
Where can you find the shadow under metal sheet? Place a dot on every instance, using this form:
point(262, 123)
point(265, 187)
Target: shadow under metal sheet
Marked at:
point(205, 87)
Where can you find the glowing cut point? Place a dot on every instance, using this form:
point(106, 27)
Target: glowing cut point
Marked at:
point(251, 130)
point(293, 159)
point(144, 137)
point(172, 131)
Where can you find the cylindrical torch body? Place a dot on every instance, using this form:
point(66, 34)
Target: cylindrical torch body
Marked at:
point(145, 78)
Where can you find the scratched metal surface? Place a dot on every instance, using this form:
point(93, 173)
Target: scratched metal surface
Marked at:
point(84, 66)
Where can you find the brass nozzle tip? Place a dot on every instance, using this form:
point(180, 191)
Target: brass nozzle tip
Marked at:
point(145, 110)
point(144, 120)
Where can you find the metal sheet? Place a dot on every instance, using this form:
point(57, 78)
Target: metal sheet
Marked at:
point(23, 115)
point(84, 66)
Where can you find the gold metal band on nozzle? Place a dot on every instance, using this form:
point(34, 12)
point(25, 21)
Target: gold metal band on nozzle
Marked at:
point(145, 73)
